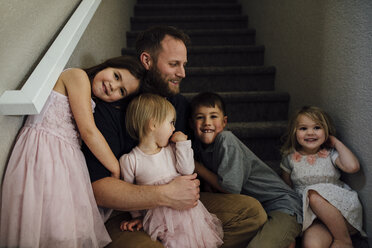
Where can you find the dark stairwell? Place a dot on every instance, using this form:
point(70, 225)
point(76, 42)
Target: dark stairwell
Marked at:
point(224, 58)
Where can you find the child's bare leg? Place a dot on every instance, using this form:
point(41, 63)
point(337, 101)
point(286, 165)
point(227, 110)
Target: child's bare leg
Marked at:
point(331, 217)
point(317, 236)
point(292, 245)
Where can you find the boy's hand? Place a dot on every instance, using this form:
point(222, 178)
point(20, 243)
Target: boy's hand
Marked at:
point(178, 136)
point(128, 225)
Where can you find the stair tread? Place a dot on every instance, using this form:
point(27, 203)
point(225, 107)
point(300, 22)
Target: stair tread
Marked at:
point(227, 48)
point(231, 70)
point(207, 31)
point(248, 95)
point(189, 18)
point(190, 5)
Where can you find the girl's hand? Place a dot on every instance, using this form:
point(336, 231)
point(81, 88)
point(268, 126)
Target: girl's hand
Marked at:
point(178, 136)
point(333, 140)
point(129, 225)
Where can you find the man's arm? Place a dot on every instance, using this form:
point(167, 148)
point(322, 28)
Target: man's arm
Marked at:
point(181, 193)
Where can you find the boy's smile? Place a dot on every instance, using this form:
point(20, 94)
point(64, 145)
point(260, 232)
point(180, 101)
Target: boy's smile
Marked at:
point(208, 122)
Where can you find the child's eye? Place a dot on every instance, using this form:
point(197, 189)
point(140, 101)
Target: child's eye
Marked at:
point(302, 128)
point(198, 117)
point(317, 127)
point(173, 122)
point(214, 116)
point(116, 76)
point(122, 92)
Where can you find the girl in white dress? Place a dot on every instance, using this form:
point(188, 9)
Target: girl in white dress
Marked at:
point(150, 119)
point(312, 158)
point(47, 197)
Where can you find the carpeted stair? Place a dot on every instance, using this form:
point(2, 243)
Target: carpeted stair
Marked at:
point(224, 58)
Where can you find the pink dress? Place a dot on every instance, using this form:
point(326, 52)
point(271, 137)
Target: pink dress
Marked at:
point(47, 199)
point(195, 227)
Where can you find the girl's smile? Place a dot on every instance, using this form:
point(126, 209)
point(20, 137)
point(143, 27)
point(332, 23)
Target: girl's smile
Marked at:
point(310, 135)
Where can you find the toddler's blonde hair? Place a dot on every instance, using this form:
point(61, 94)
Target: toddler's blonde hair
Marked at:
point(144, 108)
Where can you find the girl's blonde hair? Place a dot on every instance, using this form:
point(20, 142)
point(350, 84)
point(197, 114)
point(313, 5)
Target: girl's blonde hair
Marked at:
point(318, 116)
point(144, 108)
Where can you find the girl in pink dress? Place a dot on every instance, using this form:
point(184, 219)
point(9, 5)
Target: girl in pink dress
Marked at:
point(150, 119)
point(47, 199)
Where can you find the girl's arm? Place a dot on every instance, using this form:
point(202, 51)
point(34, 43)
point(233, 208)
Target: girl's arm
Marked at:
point(78, 90)
point(184, 153)
point(346, 160)
point(208, 176)
point(287, 178)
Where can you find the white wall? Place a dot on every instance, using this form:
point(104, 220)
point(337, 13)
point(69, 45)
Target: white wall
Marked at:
point(323, 54)
point(28, 28)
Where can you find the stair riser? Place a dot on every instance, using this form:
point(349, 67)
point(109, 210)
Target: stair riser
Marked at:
point(175, 2)
point(257, 111)
point(226, 82)
point(211, 40)
point(168, 10)
point(264, 148)
point(207, 24)
point(245, 58)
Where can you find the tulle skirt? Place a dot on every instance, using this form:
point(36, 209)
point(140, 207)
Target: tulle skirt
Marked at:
point(47, 199)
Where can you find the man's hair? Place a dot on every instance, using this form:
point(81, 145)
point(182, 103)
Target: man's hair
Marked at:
point(150, 39)
point(144, 108)
point(208, 99)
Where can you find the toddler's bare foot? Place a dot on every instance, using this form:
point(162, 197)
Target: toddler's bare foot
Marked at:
point(341, 244)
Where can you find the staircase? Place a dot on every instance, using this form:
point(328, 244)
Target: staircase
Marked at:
point(224, 58)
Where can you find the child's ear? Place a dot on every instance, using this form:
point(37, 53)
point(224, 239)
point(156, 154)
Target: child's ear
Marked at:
point(224, 121)
point(146, 60)
point(152, 124)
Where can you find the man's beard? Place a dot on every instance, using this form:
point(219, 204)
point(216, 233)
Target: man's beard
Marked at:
point(154, 83)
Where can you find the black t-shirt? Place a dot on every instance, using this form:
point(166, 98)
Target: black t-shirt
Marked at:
point(110, 120)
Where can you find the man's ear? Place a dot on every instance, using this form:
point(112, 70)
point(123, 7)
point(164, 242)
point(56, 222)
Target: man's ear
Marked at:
point(146, 60)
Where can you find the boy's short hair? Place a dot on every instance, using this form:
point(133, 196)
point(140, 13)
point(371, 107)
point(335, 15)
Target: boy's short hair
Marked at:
point(144, 108)
point(208, 99)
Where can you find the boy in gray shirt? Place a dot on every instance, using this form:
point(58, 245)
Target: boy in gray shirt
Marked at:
point(231, 167)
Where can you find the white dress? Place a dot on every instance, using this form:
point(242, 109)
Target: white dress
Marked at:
point(318, 172)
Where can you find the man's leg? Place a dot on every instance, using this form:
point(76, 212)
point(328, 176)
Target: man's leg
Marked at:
point(128, 239)
point(279, 231)
point(241, 216)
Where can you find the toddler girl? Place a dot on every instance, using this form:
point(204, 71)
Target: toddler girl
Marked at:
point(150, 119)
point(312, 158)
point(47, 199)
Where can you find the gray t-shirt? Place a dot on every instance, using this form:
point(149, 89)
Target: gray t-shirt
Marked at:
point(240, 171)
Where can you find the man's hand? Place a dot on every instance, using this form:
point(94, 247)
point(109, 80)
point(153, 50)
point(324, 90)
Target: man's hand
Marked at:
point(182, 193)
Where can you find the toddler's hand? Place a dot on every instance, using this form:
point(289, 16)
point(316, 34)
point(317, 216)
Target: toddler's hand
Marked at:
point(333, 140)
point(178, 136)
point(129, 225)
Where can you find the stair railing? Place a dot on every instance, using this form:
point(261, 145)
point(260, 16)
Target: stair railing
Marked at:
point(31, 98)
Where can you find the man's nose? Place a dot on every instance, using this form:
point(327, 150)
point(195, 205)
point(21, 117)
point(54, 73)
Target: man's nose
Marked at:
point(181, 72)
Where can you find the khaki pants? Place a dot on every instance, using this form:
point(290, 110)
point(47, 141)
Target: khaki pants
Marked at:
point(279, 231)
point(241, 217)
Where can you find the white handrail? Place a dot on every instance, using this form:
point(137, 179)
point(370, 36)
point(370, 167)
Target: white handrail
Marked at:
point(31, 98)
